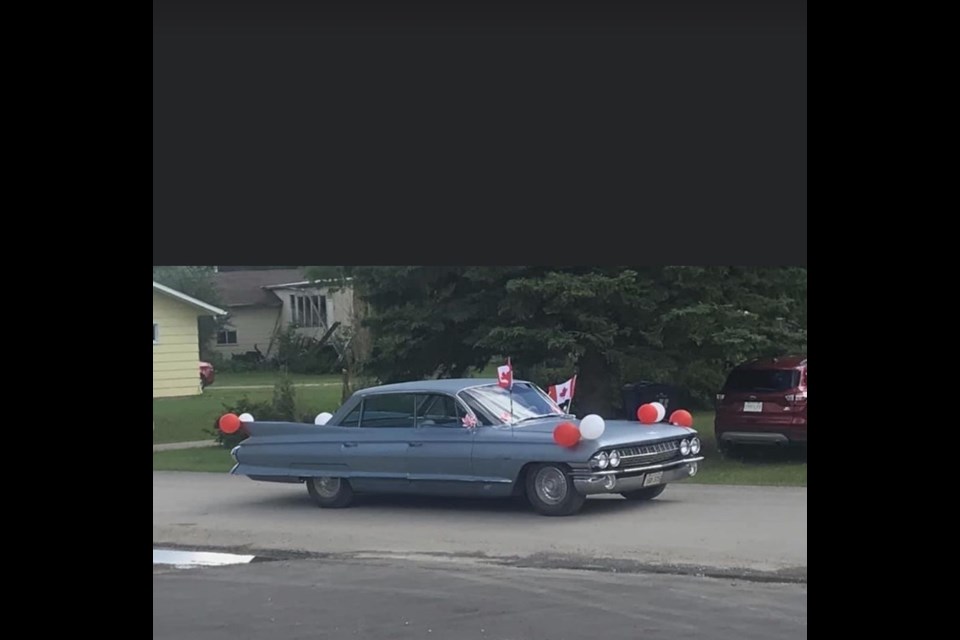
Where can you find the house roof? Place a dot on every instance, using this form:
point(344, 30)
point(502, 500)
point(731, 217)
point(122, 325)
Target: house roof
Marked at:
point(306, 283)
point(246, 288)
point(189, 300)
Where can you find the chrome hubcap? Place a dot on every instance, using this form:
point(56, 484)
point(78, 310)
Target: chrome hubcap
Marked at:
point(327, 487)
point(551, 485)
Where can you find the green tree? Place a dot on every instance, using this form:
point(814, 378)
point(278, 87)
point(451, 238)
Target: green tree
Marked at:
point(578, 318)
point(681, 325)
point(708, 319)
point(427, 321)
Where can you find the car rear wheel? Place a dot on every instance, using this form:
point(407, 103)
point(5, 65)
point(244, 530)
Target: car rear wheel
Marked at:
point(647, 493)
point(330, 493)
point(551, 492)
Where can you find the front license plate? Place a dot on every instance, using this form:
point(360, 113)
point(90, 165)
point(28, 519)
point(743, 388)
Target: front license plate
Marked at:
point(652, 478)
point(754, 407)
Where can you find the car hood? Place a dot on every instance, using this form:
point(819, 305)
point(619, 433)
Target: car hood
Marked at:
point(616, 432)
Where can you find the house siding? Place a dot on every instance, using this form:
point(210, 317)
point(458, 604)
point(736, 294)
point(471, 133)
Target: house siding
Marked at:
point(177, 352)
point(254, 326)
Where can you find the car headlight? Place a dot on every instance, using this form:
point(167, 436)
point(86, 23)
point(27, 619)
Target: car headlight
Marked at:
point(600, 460)
point(614, 458)
point(695, 445)
point(684, 447)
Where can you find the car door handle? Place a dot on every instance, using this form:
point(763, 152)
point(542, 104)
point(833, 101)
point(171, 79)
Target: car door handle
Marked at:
point(349, 444)
point(415, 444)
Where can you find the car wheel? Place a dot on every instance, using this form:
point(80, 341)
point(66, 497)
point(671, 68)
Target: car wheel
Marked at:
point(551, 492)
point(330, 493)
point(647, 493)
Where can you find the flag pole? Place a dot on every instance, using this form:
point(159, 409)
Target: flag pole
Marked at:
point(510, 364)
point(573, 392)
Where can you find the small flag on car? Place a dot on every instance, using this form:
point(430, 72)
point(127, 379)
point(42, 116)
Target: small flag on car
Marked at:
point(505, 375)
point(562, 393)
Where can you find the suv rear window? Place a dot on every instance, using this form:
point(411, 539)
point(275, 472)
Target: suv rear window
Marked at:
point(762, 380)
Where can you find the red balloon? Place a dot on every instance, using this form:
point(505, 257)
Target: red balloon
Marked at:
point(681, 418)
point(229, 423)
point(647, 414)
point(566, 434)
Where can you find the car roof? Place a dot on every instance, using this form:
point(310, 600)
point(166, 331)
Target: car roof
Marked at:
point(784, 362)
point(442, 385)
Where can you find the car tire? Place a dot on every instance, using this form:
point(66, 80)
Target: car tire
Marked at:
point(551, 492)
point(330, 493)
point(647, 493)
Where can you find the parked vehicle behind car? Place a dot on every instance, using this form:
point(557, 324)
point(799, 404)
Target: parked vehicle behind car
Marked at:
point(763, 402)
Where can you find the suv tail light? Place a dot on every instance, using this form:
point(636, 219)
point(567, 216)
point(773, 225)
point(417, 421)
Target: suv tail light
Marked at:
point(800, 396)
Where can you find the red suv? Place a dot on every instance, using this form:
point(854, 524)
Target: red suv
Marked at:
point(764, 402)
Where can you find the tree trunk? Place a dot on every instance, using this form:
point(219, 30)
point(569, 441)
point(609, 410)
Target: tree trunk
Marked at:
point(594, 386)
point(345, 392)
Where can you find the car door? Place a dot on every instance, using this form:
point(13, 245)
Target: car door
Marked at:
point(378, 454)
point(439, 456)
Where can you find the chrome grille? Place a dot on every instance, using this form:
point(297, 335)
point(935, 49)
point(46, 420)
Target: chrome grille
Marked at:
point(648, 454)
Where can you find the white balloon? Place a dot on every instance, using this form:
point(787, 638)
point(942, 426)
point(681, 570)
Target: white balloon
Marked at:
point(661, 411)
point(322, 418)
point(592, 427)
point(246, 417)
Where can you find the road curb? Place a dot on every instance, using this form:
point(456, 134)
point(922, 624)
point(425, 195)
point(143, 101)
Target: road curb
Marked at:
point(791, 575)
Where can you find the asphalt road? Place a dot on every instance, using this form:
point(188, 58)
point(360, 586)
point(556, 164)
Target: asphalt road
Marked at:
point(756, 532)
point(400, 600)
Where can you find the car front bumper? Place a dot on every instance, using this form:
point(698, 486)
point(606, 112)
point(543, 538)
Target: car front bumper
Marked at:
point(624, 480)
point(755, 436)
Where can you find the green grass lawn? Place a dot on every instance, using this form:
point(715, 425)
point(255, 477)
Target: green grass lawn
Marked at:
point(212, 459)
point(186, 419)
point(269, 378)
point(762, 467)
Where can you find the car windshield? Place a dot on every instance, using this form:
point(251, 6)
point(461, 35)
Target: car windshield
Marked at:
point(528, 402)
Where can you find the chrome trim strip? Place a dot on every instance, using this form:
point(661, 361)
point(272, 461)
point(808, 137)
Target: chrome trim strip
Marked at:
point(633, 470)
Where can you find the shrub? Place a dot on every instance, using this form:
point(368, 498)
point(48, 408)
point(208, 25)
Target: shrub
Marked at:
point(299, 353)
point(281, 408)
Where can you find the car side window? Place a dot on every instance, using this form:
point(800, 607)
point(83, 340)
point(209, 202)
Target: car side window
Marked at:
point(437, 411)
point(388, 411)
point(352, 419)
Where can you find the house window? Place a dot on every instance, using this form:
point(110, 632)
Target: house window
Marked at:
point(227, 336)
point(308, 311)
point(156, 333)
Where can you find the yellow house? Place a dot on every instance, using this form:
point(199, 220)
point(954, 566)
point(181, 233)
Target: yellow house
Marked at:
point(176, 341)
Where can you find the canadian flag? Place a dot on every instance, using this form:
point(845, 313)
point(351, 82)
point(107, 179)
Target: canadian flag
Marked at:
point(563, 392)
point(505, 375)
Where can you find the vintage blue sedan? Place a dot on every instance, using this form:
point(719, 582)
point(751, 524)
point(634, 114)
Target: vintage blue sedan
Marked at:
point(465, 437)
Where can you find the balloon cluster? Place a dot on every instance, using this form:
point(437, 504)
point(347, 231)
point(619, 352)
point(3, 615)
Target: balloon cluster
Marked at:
point(653, 412)
point(231, 422)
point(567, 434)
